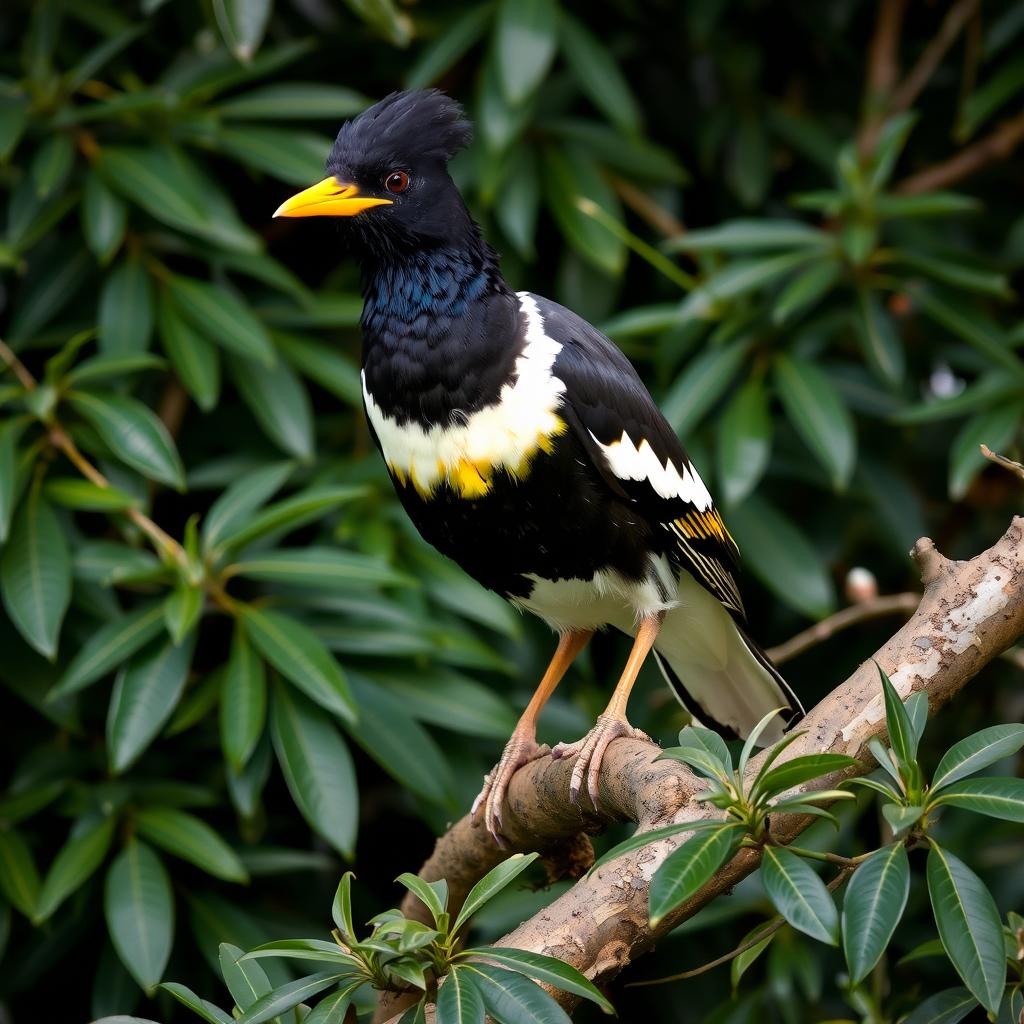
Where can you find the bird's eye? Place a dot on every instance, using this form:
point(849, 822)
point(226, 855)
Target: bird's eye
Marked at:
point(397, 181)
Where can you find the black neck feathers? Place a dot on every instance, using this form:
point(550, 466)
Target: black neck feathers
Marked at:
point(440, 330)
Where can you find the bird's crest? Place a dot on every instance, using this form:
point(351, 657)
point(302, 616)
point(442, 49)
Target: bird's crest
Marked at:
point(414, 125)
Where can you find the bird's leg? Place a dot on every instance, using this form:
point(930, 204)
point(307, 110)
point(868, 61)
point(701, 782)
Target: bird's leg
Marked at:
point(612, 723)
point(522, 747)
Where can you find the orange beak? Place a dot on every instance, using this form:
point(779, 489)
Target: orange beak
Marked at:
point(328, 198)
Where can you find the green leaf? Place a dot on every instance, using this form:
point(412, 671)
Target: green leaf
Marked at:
point(243, 702)
point(525, 42)
point(293, 101)
point(685, 870)
point(546, 969)
point(323, 365)
point(19, 877)
point(14, 111)
point(977, 751)
point(805, 290)
point(570, 174)
point(967, 323)
point(296, 157)
point(701, 384)
point(997, 797)
point(872, 907)
point(819, 416)
point(917, 712)
point(781, 557)
point(80, 856)
point(317, 767)
point(332, 1009)
point(246, 980)
point(341, 908)
point(126, 309)
point(9, 433)
point(234, 506)
point(300, 656)
point(513, 999)
point(104, 217)
point(902, 817)
point(947, 1007)
point(968, 924)
point(306, 949)
point(190, 838)
point(750, 236)
point(139, 909)
point(891, 140)
point(222, 317)
point(400, 745)
point(279, 403)
point(211, 1013)
point(930, 204)
point(743, 961)
point(146, 692)
point(424, 892)
point(104, 367)
point(988, 97)
point(995, 427)
point(459, 1000)
point(706, 739)
point(897, 721)
point(491, 884)
point(194, 358)
point(451, 42)
point(108, 647)
point(878, 338)
point(802, 769)
point(799, 895)
point(133, 433)
point(182, 609)
point(242, 24)
point(599, 75)
point(289, 514)
point(329, 568)
point(25, 802)
point(35, 574)
point(744, 441)
point(284, 997)
point(51, 163)
point(958, 273)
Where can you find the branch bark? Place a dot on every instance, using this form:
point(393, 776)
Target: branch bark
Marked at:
point(969, 613)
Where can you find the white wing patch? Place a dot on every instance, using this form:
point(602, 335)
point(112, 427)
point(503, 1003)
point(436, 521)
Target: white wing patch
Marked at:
point(505, 435)
point(629, 461)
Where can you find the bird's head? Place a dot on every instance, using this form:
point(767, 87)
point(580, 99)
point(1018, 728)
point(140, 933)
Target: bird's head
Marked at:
point(387, 174)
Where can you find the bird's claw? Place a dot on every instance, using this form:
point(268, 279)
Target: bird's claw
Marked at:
point(519, 750)
point(589, 753)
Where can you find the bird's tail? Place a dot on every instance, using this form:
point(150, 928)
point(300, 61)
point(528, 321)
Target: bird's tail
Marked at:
point(718, 673)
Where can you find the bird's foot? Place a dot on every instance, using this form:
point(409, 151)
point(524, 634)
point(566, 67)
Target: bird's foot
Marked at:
point(589, 753)
point(521, 749)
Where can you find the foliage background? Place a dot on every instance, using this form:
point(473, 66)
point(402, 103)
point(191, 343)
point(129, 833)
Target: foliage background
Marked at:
point(832, 384)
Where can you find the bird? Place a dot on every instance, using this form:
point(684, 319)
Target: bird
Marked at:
point(523, 444)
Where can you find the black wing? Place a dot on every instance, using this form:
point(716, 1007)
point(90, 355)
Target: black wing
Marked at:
point(637, 453)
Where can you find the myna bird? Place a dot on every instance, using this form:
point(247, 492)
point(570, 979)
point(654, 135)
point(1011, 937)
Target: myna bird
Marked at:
point(524, 446)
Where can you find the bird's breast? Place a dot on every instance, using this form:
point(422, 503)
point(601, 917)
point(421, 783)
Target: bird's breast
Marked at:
point(465, 450)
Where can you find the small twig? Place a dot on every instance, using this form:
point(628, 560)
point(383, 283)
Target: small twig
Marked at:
point(770, 928)
point(27, 381)
point(1001, 460)
point(882, 72)
point(910, 88)
point(875, 608)
point(647, 209)
point(998, 145)
point(61, 440)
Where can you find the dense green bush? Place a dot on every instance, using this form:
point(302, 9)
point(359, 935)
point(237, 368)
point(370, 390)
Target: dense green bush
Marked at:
point(227, 661)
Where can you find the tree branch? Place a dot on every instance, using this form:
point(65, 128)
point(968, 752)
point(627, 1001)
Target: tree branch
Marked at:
point(969, 613)
point(997, 145)
point(910, 88)
point(882, 72)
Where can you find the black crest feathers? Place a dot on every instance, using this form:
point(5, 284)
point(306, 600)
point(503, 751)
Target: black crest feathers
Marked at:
point(417, 124)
